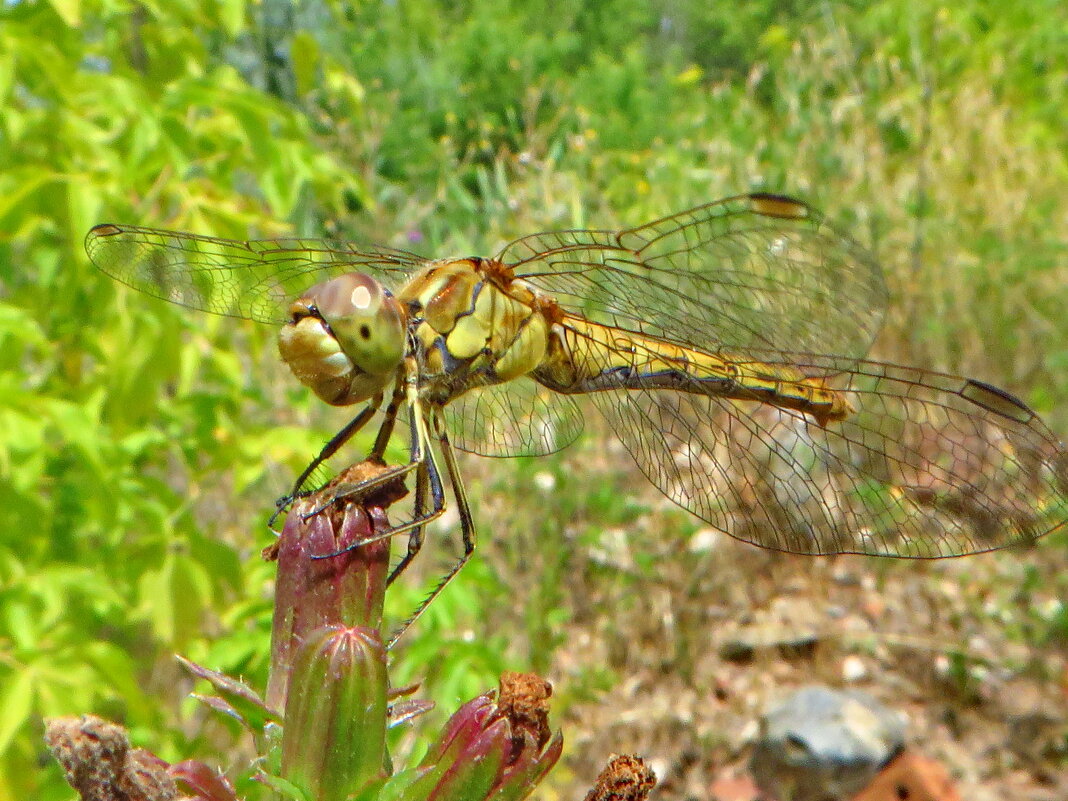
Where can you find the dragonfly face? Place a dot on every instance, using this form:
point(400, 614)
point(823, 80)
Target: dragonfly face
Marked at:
point(345, 339)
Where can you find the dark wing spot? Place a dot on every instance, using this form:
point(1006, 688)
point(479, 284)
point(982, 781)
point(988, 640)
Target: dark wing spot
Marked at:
point(996, 400)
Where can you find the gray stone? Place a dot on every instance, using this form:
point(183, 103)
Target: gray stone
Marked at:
point(824, 745)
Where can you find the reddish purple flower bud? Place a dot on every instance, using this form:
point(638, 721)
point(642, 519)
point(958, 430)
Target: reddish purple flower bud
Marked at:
point(325, 577)
point(496, 746)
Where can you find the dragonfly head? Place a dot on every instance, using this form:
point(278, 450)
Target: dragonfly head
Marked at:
point(345, 338)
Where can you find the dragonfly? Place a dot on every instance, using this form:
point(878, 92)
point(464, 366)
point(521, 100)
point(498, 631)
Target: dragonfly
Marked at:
point(725, 345)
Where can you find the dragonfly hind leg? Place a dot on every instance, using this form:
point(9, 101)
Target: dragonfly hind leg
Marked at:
point(427, 480)
point(428, 483)
point(467, 532)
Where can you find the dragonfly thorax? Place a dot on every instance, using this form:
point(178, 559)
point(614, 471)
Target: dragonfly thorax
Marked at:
point(345, 339)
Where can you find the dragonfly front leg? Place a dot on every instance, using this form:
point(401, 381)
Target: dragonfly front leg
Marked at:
point(385, 433)
point(329, 449)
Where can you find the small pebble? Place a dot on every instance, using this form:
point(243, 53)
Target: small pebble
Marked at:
point(853, 668)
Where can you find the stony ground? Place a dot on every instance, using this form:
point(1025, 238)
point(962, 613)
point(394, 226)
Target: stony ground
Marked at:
point(937, 642)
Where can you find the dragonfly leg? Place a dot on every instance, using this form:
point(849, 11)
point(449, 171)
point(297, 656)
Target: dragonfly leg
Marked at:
point(329, 449)
point(406, 389)
point(427, 480)
point(385, 432)
point(339, 439)
point(467, 531)
point(412, 525)
point(417, 455)
point(422, 460)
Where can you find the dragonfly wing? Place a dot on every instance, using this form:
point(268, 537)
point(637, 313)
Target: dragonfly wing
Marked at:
point(518, 418)
point(930, 465)
point(257, 279)
point(753, 271)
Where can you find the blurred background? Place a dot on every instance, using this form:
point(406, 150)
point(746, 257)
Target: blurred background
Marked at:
point(142, 445)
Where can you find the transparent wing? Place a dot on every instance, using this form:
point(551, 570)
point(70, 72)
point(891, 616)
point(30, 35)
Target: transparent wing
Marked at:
point(930, 465)
point(519, 418)
point(257, 279)
point(753, 271)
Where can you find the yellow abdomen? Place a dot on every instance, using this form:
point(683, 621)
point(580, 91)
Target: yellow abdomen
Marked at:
point(587, 357)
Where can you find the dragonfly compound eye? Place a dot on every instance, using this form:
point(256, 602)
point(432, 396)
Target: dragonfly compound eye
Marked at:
point(364, 318)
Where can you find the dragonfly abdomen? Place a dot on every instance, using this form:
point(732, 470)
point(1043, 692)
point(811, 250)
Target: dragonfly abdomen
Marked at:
point(586, 357)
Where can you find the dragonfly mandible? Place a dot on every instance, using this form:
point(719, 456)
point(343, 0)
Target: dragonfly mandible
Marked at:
point(725, 345)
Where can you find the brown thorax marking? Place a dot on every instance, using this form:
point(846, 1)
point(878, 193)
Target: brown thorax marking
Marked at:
point(499, 274)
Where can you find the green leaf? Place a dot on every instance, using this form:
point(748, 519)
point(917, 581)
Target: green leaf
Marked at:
point(232, 16)
point(285, 789)
point(70, 11)
point(17, 187)
point(245, 703)
point(304, 53)
point(21, 624)
point(7, 67)
point(16, 703)
point(176, 598)
point(119, 669)
point(21, 326)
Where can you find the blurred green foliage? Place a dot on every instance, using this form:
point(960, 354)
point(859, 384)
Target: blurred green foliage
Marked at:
point(141, 446)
